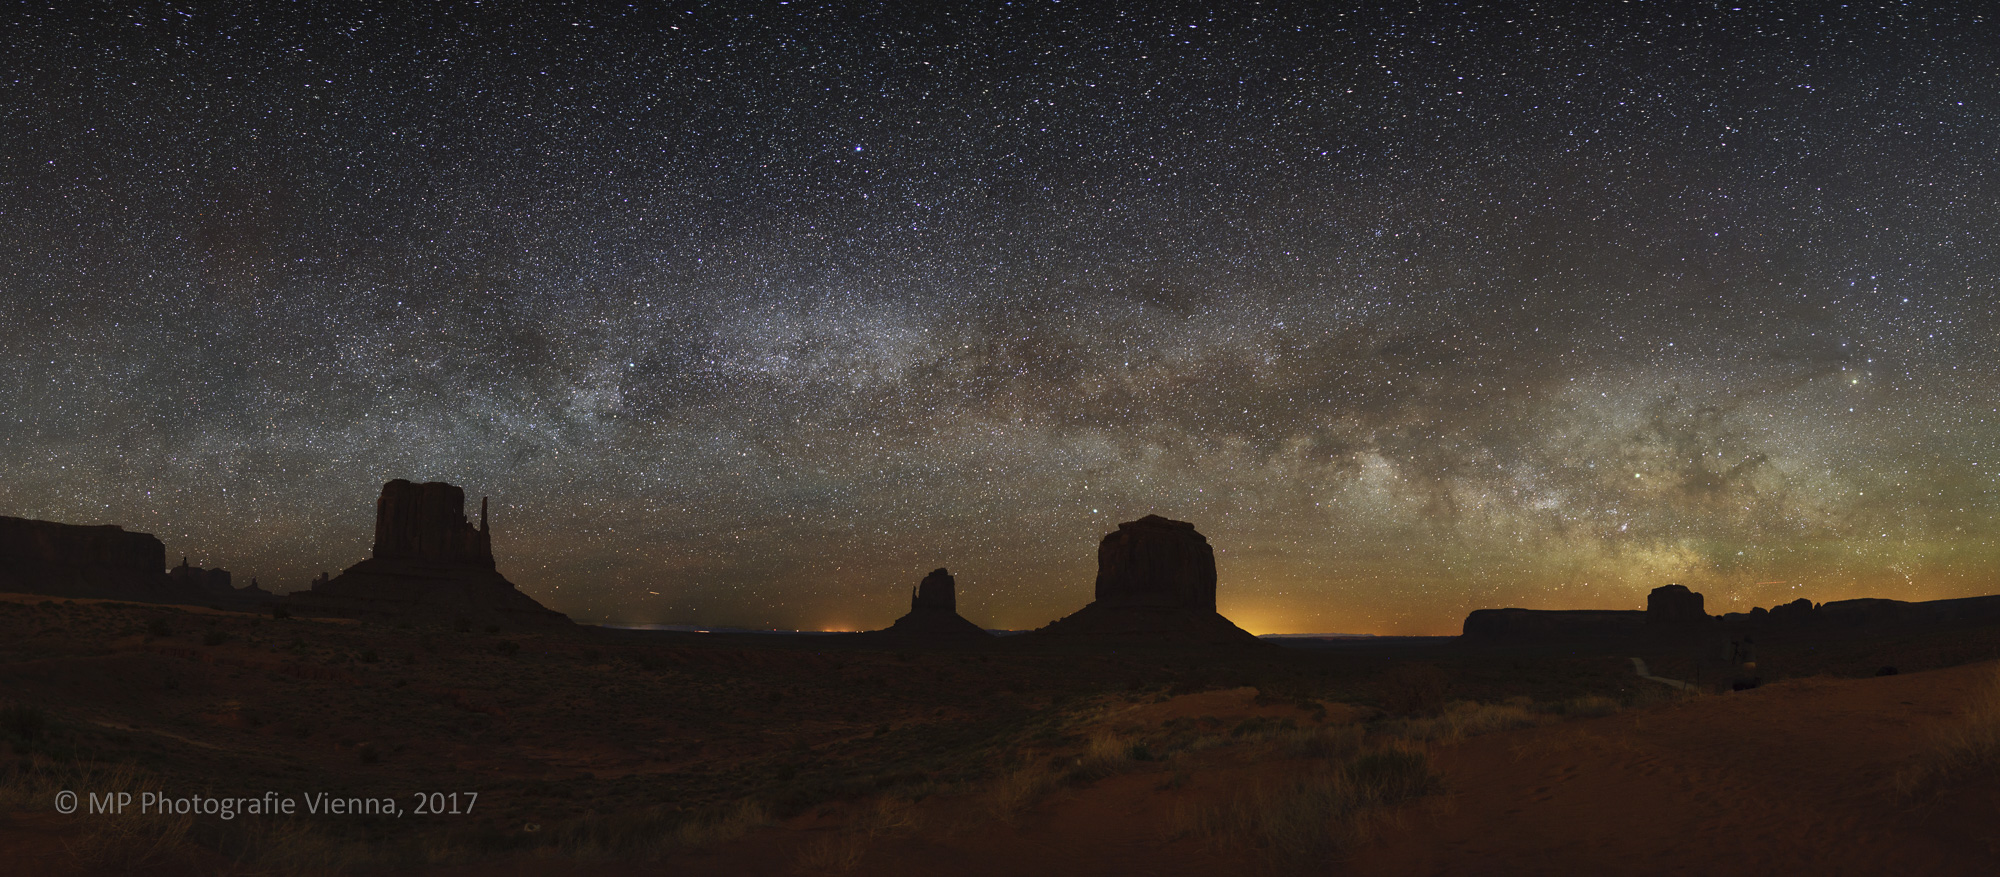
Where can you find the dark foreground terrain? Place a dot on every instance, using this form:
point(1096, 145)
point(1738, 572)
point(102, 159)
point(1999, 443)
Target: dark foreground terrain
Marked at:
point(625, 751)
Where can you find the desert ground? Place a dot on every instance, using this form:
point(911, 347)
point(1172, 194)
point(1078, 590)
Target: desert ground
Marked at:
point(636, 752)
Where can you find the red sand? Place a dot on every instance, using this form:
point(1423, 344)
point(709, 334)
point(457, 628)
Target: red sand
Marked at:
point(1793, 778)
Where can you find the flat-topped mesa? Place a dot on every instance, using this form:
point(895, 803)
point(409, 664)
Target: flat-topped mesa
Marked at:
point(72, 560)
point(1674, 604)
point(426, 522)
point(934, 612)
point(1154, 561)
point(429, 563)
point(1155, 582)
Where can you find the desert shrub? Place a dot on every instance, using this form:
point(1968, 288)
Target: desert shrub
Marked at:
point(280, 612)
point(1019, 790)
point(159, 628)
point(1258, 727)
point(1413, 688)
point(646, 833)
point(840, 851)
point(1106, 754)
point(1339, 741)
point(124, 843)
point(1967, 747)
point(1308, 820)
point(1461, 719)
point(369, 656)
point(1588, 706)
point(214, 638)
point(25, 724)
point(507, 647)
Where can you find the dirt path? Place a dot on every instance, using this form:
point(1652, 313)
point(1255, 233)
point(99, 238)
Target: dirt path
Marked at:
point(1639, 667)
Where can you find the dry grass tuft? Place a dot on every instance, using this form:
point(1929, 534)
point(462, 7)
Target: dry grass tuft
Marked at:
point(1019, 790)
point(130, 841)
point(1313, 818)
point(840, 851)
point(1462, 719)
point(1968, 747)
point(1588, 706)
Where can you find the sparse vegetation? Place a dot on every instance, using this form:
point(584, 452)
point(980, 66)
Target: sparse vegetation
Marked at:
point(1461, 719)
point(1314, 818)
point(1968, 747)
point(23, 724)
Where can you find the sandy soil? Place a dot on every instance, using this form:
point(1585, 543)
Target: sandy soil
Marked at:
point(1796, 777)
point(1792, 778)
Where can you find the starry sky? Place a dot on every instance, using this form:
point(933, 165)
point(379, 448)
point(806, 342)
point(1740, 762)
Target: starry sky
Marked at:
point(753, 314)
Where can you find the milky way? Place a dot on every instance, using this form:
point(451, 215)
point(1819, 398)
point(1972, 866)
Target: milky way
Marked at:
point(753, 315)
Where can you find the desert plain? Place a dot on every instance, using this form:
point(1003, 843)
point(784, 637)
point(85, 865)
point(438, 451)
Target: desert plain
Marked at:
point(606, 751)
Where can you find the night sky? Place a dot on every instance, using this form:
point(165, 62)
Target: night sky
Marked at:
point(753, 315)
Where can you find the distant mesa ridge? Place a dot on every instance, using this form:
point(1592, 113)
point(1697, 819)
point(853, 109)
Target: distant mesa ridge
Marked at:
point(108, 563)
point(1672, 610)
point(430, 563)
point(934, 612)
point(1155, 580)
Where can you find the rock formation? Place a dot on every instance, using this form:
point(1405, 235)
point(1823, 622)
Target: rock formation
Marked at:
point(429, 563)
point(213, 587)
point(1156, 562)
point(1674, 604)
point(68, 560)
point(934, 611)
point(937, 591)
point(203, 581)
point(1155, 580)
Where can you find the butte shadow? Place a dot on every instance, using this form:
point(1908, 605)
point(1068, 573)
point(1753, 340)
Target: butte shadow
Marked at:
point(429, 564)
point(1155, 584)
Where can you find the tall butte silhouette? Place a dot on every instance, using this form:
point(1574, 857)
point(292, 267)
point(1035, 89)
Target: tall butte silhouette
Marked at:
point(429, 563)
point(1155, 581)
point(934, 612)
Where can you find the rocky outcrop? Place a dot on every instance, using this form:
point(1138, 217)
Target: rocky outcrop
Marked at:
point(429, 564)
point(1674, 604)
point(203, 581)
point(934, 612)
point(213, 587)
point(1155, 581)
point(69, 560)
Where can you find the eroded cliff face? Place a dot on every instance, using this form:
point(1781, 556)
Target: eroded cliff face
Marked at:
point(426, 522)
point(1154, 561)
point(937, 591)
point(68, 560)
